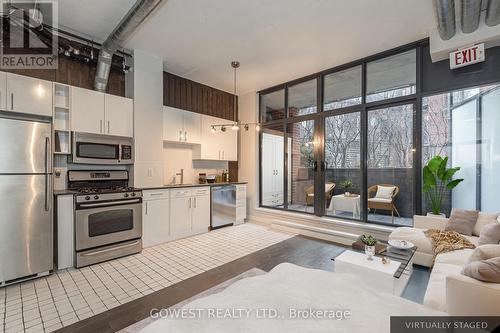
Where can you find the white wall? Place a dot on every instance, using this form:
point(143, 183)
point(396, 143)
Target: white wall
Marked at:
point(179, 156)
point(249, 148)
point(147, 80)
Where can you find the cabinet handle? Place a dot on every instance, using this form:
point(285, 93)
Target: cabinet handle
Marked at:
point(146, 208)
point(180, 135)
point(100, 126)
point(223, 153)
point(12, 101)
point(194, 202)
point(185, 136)
point(189, 203)
point(108, 126)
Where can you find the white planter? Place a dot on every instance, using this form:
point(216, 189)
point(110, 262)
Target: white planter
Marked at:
point(436, 215)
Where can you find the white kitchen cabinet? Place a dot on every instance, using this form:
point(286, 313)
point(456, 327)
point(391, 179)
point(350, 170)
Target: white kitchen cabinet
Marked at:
point(95, 112)
point(155, 217)
point(201, 210)
point(241, 203)
point(181, 126)
point(189, 211)
point(87, 111)
point(65, 231)
point(118, 115)
point(28, 95)
point(3, 91)
point(180, 213)
point(217, 145)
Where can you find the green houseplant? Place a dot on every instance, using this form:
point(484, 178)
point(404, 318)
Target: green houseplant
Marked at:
point(369, 242)
point(437, 180)
point(347, 185)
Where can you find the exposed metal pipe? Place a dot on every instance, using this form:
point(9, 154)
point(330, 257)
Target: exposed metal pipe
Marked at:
point(445, 13)
point(493, 13)
point(471, 15)
point(134, 17)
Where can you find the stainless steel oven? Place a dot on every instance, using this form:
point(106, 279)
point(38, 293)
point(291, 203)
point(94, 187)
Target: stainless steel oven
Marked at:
point(107, 229)
point(102, 149)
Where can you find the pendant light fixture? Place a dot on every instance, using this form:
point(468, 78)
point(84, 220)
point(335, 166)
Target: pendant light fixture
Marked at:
point(236, 125)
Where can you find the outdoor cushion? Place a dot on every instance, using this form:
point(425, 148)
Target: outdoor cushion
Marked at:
point(482, 220)
point(462, 221)
point(490, 234)
point(384, 192)
point(380, 200)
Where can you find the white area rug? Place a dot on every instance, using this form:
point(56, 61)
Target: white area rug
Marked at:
point(216, 289)
point(288, 287)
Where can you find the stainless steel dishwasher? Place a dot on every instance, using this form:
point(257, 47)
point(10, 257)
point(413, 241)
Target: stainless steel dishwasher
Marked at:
point(223, 206)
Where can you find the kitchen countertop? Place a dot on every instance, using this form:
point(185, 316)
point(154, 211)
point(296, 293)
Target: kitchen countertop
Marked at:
point(190, 185)
point(70, 192)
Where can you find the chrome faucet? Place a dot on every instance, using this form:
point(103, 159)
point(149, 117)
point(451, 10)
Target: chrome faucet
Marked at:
point(182, 175)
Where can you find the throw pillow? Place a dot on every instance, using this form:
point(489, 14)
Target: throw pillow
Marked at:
point(482, 220)
point(462, 221)
point(484, 252)
point(384, 192)
point(485, 270)
point(490, 234)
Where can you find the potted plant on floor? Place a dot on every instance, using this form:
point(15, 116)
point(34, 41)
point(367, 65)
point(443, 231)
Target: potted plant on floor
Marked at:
point(370, 243)
point(347, 185)
point(437, 180)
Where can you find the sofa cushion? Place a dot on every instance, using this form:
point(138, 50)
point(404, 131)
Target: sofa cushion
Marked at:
point(482, 220)
point(435, 295)
point(484, 270)
point(459, 257)
point(414, 235)
point(484, 252)
point(490, 234)
point(462, 221)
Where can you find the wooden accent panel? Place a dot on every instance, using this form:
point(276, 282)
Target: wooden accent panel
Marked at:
point(233, 171)
point(181, 93)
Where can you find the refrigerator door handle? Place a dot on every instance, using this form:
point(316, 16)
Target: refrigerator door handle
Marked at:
point(47, 142)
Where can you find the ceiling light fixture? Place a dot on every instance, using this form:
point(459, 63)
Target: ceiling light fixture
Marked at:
point(236, 125)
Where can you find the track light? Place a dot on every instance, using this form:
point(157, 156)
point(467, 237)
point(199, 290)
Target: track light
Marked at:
point(213, 129)
point(235, 127)
point(223, 128)
point(257, 127)
point(246, 127)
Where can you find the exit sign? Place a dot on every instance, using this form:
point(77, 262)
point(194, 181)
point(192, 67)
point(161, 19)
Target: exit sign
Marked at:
point(467, 56)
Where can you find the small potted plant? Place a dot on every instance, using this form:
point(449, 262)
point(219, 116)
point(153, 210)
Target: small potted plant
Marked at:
point(347, 185)
point(437, 179)
point(369, 242)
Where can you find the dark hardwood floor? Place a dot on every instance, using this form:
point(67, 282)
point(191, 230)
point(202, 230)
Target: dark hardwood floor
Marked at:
point(300, 250)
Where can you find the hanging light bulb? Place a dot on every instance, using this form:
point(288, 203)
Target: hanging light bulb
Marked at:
point(235, 126)
point(223, 128)
point(246, 127)
point(213, 129)
point(257, 127)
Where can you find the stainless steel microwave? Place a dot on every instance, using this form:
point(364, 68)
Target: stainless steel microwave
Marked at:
point(102, 149)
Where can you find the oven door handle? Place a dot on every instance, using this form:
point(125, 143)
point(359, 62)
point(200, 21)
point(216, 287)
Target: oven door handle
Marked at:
point(112, 203)
point(110, 249)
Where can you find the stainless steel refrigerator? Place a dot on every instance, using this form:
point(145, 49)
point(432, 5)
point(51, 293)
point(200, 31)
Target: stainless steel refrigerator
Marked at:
point(26, 224)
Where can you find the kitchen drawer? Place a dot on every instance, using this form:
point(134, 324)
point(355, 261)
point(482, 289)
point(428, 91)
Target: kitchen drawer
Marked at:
point(155, 194)
point(201, 191)
point(241, 202)
point(180, 193)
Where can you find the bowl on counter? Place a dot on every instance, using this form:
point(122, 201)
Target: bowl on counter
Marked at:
point(211, 179)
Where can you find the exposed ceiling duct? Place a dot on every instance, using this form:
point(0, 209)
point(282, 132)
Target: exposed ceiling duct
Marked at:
point(493, 13)
point(471, 15)
point(134, 17)
point(445, 13)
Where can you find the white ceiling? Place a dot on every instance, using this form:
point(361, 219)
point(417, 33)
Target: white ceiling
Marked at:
point(275, 40)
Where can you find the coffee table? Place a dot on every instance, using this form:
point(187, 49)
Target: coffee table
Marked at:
point(391, 277)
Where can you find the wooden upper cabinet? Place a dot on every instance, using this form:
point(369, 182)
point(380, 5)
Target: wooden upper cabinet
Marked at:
point(192, 96)
point(28, 95)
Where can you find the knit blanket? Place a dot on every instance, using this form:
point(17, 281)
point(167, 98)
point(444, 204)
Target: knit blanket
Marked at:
point(447, 241)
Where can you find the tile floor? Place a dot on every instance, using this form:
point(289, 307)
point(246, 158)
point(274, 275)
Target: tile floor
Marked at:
point(65, 297)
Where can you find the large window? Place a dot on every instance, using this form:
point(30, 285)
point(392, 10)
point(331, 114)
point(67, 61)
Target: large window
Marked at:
point(350, 154)
point(463, 126)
